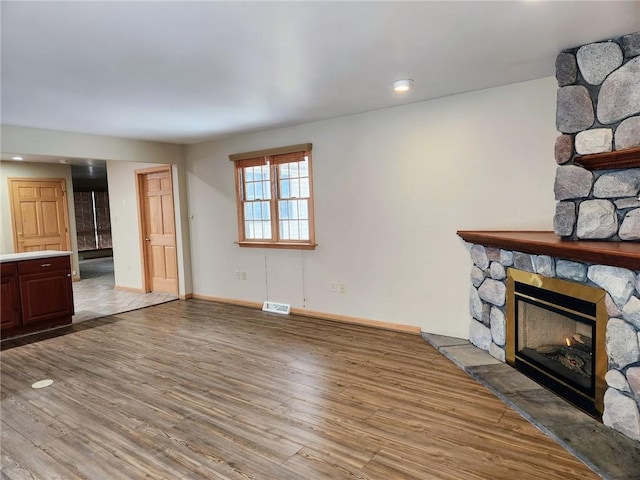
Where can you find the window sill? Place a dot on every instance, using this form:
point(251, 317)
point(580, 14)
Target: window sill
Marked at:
point(281, 245)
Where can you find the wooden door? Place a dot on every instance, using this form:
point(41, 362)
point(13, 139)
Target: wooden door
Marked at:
point(39, 210)
point(155, 190)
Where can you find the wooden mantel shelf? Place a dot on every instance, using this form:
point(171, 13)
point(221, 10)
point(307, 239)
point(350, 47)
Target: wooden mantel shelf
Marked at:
point(617, 254)
point(629, 158)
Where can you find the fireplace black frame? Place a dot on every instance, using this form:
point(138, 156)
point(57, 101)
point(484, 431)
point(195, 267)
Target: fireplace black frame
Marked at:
point(578, 302)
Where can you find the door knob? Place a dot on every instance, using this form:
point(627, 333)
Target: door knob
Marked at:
point(147, 239)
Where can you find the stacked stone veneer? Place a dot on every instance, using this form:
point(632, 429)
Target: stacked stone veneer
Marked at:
point(488, 325)
point(598, 107)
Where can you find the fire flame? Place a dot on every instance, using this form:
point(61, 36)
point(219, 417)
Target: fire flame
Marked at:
point(567, 341)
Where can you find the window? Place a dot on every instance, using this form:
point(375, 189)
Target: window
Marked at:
point(275, 198)
point(93, 224)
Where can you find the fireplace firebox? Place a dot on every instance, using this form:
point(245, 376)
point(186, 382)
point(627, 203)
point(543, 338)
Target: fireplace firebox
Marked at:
point(556, 336)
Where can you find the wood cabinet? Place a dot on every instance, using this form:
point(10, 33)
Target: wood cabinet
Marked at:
point(36, 294)
point(9, 296)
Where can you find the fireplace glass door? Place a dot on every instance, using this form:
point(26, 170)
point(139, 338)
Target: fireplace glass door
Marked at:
point(556, 334)
point(556, 341)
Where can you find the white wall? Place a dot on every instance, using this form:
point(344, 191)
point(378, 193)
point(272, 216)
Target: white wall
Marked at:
point(34, 170)
point(391, 189)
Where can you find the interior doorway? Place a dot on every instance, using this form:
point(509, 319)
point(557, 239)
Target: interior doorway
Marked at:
point(158, 245)
point(39, 214)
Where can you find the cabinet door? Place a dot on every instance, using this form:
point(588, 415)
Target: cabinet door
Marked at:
point(46, 296)
point(9, 297)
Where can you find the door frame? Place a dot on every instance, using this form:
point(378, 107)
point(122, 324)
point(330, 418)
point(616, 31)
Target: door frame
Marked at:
point(65, 205)
point(140, 173)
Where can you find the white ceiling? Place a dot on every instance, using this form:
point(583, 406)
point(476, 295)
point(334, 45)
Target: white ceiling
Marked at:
point(186, 72)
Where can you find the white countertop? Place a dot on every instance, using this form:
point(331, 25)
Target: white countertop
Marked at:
point(16, 257)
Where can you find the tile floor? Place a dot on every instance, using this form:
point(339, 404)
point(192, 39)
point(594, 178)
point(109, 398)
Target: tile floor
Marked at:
point(608, 453)
point(94, 295)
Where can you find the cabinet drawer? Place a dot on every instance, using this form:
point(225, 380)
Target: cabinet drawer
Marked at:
point(7, 269)
point(43, 265)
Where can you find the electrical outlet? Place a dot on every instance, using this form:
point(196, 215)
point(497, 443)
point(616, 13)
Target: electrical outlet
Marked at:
point(237, 274)
point(244, 275)
point(343, 288)
point(333, 287)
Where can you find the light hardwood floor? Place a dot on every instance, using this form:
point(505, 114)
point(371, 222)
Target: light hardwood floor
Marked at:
point(198, 390)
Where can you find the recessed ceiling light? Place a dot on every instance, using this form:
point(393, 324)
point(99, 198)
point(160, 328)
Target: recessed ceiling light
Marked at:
point(17, 158)
point(402, 85)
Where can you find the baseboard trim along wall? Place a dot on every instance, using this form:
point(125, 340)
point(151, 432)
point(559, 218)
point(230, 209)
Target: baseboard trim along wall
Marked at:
point(396, 327)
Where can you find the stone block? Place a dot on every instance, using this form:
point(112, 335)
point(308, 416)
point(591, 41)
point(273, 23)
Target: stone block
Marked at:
point(565, 218)
point(572, 182)
point(595, 140)
point(616, 184)
point(597, 220)
point(630, 228)
point(618, 282)
point(619, 95)
point(477, 276)
point(479, 257)
point(563, 149)
point(616, 379)
point(621, 413)
point(523, 261)
point(574, 109)
point(545, 265)
point(597, 60)
point(506, 258)
point(479, 335)
point(633, 377)
point(628, 134)
point(493, 292)
point(497, 352)
point(622, 344)
point(571, 270)
point(631, 311)
point(631, 44)
point(475, 304)
point(497, 271)
point(566, 69)
point(498, 326)
point(629, 202)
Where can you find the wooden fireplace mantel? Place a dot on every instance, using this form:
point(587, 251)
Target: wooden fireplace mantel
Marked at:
point(617, 254)
point(629, 158)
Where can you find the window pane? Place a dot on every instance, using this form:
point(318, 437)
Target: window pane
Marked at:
point(248, 229)
point(249, 193)
point(304, 188)
point(304, 168)
point(257, 211)
point(293, 230)
point(304, 230)
point(258, 229)
point(284, 189)
point(266, 190)
point(248, 174)
point(293, 169)
point(266, 229)
point(265, 172)
point(284, 170)
point(293, 209)
point(283, 210)
point(284, 230)
point(303, 209)
point(266, 214)
point(248, 211)
point(295, 188)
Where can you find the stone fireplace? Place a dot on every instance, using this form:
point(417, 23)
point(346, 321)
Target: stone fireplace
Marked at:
point(595, 248)
point(556, 335)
